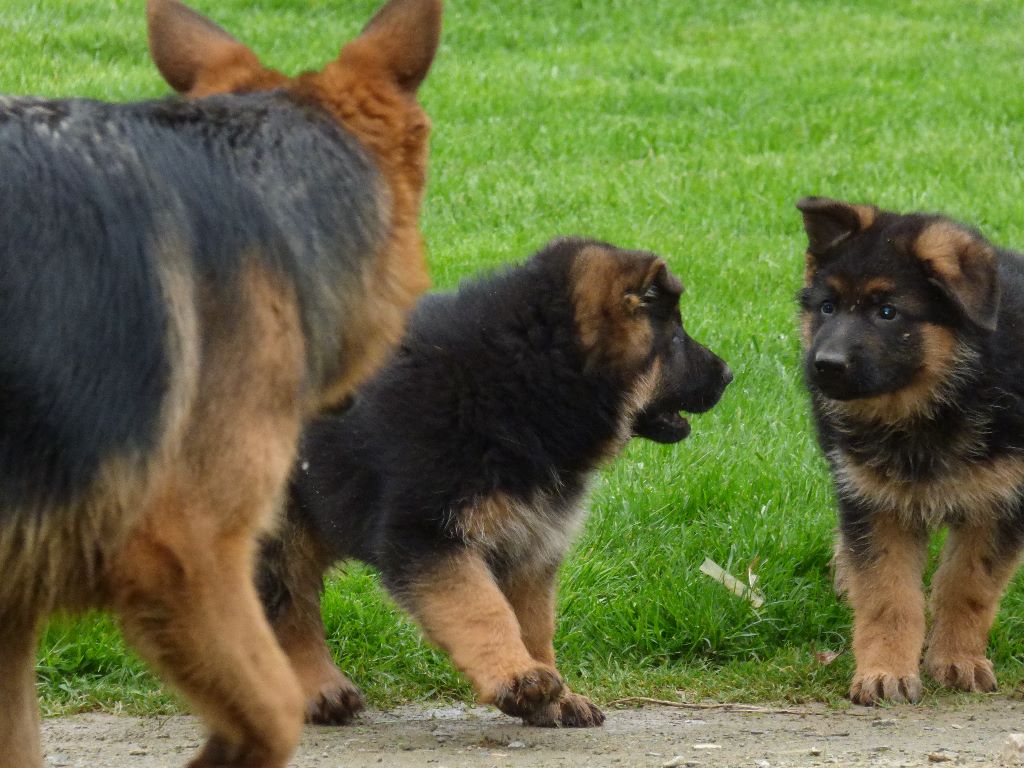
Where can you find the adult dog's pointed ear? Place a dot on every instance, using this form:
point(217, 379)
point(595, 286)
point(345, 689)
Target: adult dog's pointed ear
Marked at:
point(400, 41)
point(198, 58)
point(829, 222)
point(962, 264)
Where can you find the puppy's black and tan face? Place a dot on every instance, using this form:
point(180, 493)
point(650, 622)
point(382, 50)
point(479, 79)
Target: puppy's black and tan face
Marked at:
point(628, 319)
point(887, 299)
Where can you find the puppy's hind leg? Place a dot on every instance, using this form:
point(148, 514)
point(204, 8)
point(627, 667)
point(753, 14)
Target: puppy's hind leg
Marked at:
point(290, 579)
point(19, 710)
point(462, 610)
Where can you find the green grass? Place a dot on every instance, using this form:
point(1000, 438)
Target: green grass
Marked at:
point(684, 127)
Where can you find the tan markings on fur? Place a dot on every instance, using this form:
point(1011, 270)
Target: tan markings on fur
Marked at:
point(965, 265)
point(887, 599)
point(966, 591)
point(388, 288)
point(54, 558)
point(940, 245)
point(182, 582)
point(837, 284)
point(866, 214)
point(531, 593)
point(19, 721)
point(978, 490)
point(463, 611)
point(877, 285)
point(612, 333)
point(942, 358)
point(396, 131)
point(535, 530)
point(810, 267)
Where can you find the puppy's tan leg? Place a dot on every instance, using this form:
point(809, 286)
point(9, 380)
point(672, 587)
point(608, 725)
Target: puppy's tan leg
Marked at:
point(966, 590)
point(883, 579)
point(331, 698)
point(462, 610)
point(532, 594)
point(185, 595)
point(19, 710)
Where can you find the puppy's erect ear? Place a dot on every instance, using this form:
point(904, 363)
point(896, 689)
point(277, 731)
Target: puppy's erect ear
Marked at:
point(829, 222)
point(658, 289)
point(962, 264)
point(400, 41)
point(194, 55)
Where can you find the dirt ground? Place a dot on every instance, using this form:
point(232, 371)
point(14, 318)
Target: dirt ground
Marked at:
point(457, 737)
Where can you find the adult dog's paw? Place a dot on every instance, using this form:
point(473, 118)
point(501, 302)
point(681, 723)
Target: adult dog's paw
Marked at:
point(963, 672)
point(874, 686)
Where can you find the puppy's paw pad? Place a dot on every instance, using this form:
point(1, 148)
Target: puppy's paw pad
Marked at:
point(526, 693)
point(876, 685)
point(334, 705)
point(965, 673)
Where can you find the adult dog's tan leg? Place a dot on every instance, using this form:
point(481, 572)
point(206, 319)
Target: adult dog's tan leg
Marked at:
point(884, 587)
point(966, 590)
point(187, 603)
point(462, 610)
point(532, 594)
point(19, 709)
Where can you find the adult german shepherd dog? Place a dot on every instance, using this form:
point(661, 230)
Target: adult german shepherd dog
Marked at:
point(181, 283)
point(914, 357)
point(462, 468)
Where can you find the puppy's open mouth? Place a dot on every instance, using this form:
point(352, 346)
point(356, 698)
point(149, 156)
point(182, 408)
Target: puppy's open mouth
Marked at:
point(661, 426)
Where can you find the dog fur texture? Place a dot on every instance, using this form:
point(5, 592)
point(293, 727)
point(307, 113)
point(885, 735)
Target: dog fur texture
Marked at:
point(914, 358)
point(461, 470)
point(183, 282)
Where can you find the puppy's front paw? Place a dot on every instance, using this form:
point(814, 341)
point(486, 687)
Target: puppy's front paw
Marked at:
point(335, 703)
point(872, 686)
point(527, 693)
point(965, 673)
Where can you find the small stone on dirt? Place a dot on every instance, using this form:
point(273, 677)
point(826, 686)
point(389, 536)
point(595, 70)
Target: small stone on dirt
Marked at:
point(941, 757)
point(679, 761)
point(884, 722)
point(1013, 749)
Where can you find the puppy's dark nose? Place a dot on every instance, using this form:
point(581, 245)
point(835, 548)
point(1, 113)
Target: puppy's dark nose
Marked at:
point(829, 363)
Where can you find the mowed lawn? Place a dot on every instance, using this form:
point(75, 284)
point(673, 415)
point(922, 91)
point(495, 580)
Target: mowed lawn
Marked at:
point(688, 128)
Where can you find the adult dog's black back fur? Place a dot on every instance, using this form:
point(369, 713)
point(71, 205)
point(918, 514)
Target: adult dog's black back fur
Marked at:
point(91, 195)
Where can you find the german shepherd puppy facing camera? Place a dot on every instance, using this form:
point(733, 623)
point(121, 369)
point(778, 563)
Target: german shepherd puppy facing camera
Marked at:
point(461, 470)
point(914, 358)
point(182, 283)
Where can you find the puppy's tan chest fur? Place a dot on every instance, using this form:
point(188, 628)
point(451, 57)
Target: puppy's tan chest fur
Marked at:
point(540, 530)
point(973, 491)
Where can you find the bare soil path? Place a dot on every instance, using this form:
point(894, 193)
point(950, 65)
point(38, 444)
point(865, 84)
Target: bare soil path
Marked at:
point(459, 737)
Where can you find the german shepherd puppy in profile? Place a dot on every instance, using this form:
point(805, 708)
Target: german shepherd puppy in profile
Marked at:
point(461, 470)
point(914, 358)
point(182, 282)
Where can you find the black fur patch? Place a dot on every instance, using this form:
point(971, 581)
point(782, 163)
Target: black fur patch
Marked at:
point(94, 197)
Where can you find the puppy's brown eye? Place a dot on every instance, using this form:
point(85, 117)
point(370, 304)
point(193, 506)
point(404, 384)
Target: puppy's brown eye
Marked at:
point(828, 307)
point(651, 294)
point(887, 312)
